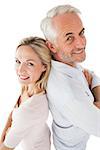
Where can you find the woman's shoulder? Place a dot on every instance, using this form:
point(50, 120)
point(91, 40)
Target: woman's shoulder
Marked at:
point(39, 98)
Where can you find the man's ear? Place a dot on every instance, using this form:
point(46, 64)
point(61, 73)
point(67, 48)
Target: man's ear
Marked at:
point(51, 46)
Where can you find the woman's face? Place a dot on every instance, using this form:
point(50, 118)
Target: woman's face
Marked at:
point(28, 65)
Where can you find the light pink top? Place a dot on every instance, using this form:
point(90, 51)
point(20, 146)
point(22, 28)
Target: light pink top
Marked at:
point(29, 125)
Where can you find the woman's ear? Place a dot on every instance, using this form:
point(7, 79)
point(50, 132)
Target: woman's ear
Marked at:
point(51, 46)
point(44, 67)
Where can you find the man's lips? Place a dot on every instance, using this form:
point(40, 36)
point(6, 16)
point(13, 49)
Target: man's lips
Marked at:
point(78, 52)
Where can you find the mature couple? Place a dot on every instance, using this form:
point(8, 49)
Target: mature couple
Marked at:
point(73, 93)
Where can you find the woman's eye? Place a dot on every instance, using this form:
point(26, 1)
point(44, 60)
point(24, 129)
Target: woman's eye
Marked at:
point(17, 61)
point(30, 64)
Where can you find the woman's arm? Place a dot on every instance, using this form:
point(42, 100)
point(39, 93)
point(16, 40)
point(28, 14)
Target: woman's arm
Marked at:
point(7, 126)
point(3, 147)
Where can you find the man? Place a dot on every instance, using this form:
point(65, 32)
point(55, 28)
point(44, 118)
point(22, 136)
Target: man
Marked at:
point(71, 101)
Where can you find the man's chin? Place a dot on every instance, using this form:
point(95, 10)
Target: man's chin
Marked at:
point(81, 60)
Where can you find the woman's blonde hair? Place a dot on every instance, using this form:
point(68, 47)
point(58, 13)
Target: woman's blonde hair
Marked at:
point(39, 47)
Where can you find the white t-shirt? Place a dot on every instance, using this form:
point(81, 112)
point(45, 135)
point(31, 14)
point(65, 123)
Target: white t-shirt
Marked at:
point(29, 125)
point(75, 116)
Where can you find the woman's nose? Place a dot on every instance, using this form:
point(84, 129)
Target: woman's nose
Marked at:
point(22, 68)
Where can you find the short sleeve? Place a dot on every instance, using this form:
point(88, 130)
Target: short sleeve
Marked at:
point(95, 81)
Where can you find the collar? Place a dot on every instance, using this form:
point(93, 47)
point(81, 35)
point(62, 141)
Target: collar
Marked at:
point(72, 72)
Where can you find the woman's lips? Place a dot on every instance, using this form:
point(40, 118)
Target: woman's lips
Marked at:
point(23, 78)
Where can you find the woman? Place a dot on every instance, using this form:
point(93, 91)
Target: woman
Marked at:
point(27, 122)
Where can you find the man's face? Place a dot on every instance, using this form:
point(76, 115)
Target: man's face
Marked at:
point(71, 42)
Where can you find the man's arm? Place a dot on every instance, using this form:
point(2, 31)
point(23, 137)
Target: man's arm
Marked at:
point(95, 91)
point(96, 94)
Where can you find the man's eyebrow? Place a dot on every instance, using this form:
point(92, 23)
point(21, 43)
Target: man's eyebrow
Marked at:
point(72, 32)
point(81, 31)
point(68, 33)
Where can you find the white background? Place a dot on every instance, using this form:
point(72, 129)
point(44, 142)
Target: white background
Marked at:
point(21, 18)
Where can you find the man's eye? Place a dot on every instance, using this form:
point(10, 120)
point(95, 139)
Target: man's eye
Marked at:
point(69, 39)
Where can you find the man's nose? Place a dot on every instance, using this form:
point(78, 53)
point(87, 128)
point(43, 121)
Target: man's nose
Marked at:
point(80, 42)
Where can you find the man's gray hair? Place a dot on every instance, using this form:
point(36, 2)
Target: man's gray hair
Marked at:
point(46, 24)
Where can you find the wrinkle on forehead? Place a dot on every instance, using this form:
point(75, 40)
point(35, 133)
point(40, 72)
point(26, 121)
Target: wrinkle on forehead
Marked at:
point(67, 21)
